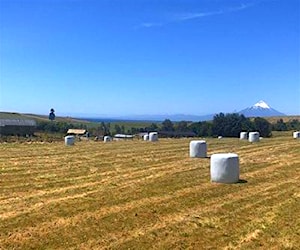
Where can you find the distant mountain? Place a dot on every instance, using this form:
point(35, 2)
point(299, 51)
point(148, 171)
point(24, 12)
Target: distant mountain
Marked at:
point(174, 117)
point(260, 109)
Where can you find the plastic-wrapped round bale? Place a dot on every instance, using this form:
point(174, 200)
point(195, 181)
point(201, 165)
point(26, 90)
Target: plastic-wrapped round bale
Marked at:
point(253, 136)
point(106, 138)
point(146, 137)
point(296, 135)
point(198, 149)
point(220, 137)
point(153, 136)
point(243, 135)
point(224, 168)
point(69, 140)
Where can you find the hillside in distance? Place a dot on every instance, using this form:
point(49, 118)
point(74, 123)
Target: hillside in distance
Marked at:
point(39, 118)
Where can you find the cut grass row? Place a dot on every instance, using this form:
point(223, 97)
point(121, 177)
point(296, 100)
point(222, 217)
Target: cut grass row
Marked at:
point(141, 195)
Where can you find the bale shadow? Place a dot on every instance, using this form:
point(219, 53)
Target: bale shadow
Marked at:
point(242, 181)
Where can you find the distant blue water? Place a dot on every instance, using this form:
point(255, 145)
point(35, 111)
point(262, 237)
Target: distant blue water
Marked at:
point(153, 118)
point(107, 120)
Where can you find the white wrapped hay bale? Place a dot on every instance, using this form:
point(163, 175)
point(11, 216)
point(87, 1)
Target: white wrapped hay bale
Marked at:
point(198, 149)
point(107, 138)
point(253, 136)
point(69, 140)
point(296, 135)
point(243, 136)
point(224, 168)
point(153, 136)
point(220, 137)
point(146, 137)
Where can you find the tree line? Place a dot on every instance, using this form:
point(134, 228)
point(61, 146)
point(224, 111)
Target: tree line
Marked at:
point(227, 125)
point(280, 125)
point(58, 127)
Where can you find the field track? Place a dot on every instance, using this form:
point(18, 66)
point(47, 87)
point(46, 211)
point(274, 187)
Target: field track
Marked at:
point(142, 195)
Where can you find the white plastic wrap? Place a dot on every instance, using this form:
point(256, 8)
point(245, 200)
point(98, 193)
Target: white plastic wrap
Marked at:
point(69, 140)
point(296, 135)
point(224, 168)
point(106, 138)
point(198, 149)
point(153, 136)
point(253, 136)
point(243, 135)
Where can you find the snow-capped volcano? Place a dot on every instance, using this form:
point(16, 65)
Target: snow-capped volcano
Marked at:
point(261, 104)
point(260, 109)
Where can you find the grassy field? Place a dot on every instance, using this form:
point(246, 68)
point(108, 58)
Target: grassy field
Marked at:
point(142, 195)
point(9, 115)
point(273, 120)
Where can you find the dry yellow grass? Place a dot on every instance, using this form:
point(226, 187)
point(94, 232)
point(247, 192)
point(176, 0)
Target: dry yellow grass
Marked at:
point(141, 195)
point(284, 118)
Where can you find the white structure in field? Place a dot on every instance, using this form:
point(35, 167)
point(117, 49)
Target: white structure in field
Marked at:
point(153, 136)
point(146, 137)
point(296, 135)
point(69, 140)
point(243, 135)
point(198, 149)
point(224, 168)
point(253, 136)
point(107, 138)
point(119, 137)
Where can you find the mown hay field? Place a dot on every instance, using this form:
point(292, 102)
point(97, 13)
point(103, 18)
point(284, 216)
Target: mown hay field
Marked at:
point(142, 195)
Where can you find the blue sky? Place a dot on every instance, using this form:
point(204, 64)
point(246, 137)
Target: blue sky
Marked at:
point(124, 57)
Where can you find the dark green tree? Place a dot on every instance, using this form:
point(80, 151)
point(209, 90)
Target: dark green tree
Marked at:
point(230, 124)
point(123, 129)
point(293, 125)
point(280, 126)
point(206, 129)
point(118, 129)
point(105, 128)
point(167, 125)
point(263, 127)
point(153, 127)
point(201, 128)
point(219, 122)
point(52, 115)
point(181, 126)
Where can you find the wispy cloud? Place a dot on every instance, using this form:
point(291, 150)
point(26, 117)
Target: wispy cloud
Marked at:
point(198, 15)
point(149, 25)
point(189, 16)
point(194, 15)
